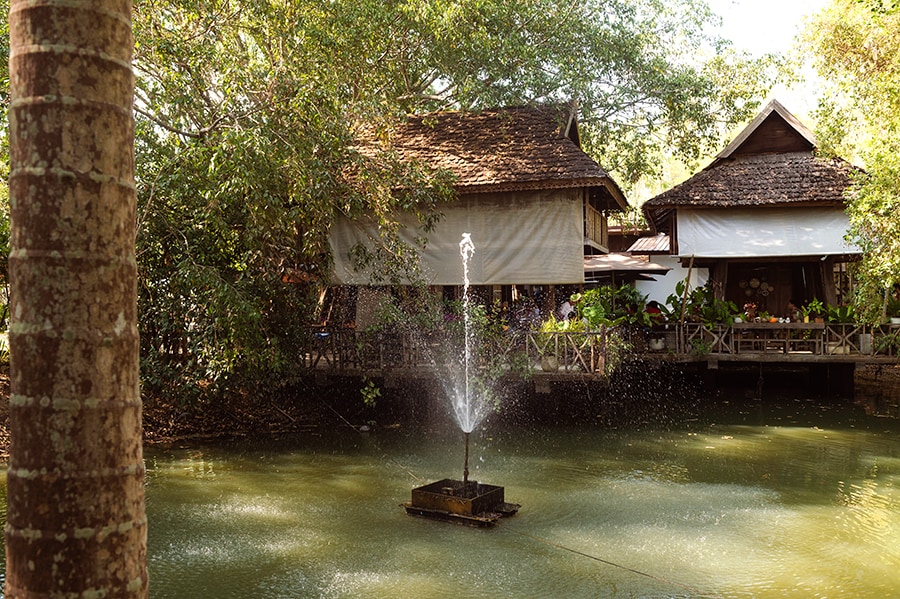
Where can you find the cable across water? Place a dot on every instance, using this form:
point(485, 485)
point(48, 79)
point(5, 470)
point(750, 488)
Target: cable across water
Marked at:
point(694, 590)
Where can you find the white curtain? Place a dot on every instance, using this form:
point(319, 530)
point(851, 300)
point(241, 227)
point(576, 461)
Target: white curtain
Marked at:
point(753, 232)
point(534, 237)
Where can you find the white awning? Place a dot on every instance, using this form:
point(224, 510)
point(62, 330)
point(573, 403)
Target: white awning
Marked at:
point(623, 263)
point(763, 232)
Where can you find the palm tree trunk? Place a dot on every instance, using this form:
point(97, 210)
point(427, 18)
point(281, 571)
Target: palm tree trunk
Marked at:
point(76, 523)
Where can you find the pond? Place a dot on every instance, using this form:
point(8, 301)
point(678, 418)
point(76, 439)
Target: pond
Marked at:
point(781, 498)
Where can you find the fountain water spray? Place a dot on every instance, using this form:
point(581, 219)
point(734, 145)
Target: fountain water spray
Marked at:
point(476, 504)
point(464, 413)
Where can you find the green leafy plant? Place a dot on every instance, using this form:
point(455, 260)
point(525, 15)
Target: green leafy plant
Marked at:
point(618, 348)
point(547, 337)
point(701, 305)
point(611, 306)
point(701, 347)
point(888, 344)
point(814, 308)
point(840, 314)
point(370, 393)
point(892, 307)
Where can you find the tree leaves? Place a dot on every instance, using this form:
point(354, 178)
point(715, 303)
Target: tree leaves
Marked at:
point(249, 120)
point(855, 47)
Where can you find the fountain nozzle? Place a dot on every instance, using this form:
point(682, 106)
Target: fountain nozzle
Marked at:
point(466, 467)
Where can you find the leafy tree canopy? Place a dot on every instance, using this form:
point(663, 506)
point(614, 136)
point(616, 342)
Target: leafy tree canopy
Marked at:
point(246, 132)
point(855, 47)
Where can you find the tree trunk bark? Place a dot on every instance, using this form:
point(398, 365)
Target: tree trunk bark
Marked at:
point(76, 524)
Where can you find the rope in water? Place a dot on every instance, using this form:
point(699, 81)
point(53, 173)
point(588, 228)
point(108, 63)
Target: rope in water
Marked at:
point(384, 456)
point(694, 590)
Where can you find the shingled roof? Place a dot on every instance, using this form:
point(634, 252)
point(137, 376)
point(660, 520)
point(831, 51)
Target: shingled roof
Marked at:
point(510, 149)
point(771, 163)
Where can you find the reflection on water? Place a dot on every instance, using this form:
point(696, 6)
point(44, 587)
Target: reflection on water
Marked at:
point(752, 505)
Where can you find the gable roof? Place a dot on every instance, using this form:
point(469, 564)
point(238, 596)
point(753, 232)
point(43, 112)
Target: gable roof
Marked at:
point(509, 149)
point(774, 129)
point(770, 163)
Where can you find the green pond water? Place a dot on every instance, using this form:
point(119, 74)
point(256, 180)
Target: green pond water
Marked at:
point(795, 498)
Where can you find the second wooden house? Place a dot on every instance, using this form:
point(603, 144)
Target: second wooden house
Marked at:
point(765, 220)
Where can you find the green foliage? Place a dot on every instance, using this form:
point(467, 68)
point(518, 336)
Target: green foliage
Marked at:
point(548, 338)
point(892, 307)
point(700, 305)
point(888, 343)
point(701, 347)
point(244, 155)
point(249, 116)
point(370, 393)
point(840, 314)
point(813, 308)
point(618, 350)
point(610, 306)
point(854, 46)
point(410, 309)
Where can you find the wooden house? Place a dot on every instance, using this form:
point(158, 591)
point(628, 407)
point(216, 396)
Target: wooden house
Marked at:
point(530, 198)
point(765, 220)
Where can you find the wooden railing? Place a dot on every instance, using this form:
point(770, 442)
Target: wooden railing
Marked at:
point(593, 353)
point(585, 352)
point(794, 339)
point(350, 350)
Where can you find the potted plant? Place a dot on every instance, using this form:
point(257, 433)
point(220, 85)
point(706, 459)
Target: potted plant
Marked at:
point(814, 309)
point(547, 341)
point(840, 314)
point(749, 312)
point(888, 344)
point(657, 343)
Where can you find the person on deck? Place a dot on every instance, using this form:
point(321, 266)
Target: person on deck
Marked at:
point(793, 311)
point(567, 310)
point(655, 311)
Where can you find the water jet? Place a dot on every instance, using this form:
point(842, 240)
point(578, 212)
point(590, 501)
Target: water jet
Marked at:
point(465, 501)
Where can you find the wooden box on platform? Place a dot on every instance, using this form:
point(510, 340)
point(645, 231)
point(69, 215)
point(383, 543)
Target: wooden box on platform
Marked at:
point(469, 502)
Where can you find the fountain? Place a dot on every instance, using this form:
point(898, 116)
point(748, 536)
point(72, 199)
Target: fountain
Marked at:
point(465, 501)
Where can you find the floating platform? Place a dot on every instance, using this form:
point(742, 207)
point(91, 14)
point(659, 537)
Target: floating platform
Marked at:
point(470, 503)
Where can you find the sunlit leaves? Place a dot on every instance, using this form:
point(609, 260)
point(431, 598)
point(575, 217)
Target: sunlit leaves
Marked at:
point(856, 48)
point(249, 115)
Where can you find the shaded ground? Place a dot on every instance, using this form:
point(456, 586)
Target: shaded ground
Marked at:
point(165, 421)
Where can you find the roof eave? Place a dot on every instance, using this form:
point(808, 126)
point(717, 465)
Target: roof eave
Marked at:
point(604, 183)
